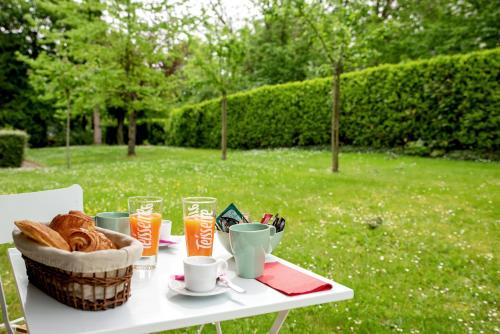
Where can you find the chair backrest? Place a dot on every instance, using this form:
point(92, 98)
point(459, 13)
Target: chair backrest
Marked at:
point(39, 206)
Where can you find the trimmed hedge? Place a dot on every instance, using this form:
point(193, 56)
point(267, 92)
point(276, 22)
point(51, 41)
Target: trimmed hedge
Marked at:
point(445, 103)
point(12, 143)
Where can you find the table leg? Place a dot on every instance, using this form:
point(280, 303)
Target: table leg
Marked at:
point(218, 328)
point(278, 322)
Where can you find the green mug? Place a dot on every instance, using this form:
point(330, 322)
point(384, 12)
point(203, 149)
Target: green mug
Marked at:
point(115, 221)
point(250, 243)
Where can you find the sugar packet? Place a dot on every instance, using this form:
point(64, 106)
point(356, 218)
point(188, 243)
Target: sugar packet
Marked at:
point(229, 217)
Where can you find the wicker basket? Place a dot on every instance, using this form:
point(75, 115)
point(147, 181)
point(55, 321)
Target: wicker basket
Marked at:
point(94, 289)
point(68, 287)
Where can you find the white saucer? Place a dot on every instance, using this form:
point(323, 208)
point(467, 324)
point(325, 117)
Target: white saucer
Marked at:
point(173, 239)
point(180, 287)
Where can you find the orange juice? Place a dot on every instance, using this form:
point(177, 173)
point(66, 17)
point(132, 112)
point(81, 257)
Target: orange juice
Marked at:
point(146, 229)
point(199, 232)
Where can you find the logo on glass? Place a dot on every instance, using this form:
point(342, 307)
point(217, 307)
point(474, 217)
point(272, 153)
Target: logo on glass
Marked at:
point(199, 225)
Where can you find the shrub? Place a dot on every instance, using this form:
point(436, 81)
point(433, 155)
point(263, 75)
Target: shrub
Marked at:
point(442, 104)
point(151, 131)
point(12, 143)
point(78, 136)
point(156, 131)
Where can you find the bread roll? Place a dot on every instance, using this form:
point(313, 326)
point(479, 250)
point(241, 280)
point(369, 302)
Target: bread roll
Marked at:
point(42, 234)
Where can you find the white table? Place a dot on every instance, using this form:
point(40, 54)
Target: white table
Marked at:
point(153, 307)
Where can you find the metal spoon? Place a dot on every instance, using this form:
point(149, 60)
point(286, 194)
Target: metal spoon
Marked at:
point(230, 284)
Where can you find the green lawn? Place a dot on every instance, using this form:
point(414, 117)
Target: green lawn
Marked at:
point(432, 266)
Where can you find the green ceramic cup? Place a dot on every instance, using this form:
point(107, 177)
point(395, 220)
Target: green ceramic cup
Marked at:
point(250, 243)
point(116, 221)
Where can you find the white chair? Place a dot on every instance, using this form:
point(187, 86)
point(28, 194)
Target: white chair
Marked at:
point(37, 206)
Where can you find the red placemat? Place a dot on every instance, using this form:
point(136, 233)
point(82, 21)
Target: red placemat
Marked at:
point(289, 281)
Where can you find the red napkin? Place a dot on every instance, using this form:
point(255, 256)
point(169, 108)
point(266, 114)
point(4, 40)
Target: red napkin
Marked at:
point(290, 281)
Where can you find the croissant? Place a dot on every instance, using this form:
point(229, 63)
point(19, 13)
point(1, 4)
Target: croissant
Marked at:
point(42, 234)
point(105, 242)
point(81, 214)
point(83, 240)
point(79, 231)
point(65, 224)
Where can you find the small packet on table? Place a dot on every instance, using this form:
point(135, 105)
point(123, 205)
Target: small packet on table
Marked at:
point(266, 218)
point(278, 222)
point(229, 217)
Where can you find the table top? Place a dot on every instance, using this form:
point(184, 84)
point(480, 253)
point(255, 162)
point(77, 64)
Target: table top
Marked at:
point(153, 307)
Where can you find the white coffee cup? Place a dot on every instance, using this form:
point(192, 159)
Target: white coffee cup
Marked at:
point(165, 229)
point(201, 272)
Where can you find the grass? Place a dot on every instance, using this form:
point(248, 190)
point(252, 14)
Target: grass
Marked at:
point(431, 266)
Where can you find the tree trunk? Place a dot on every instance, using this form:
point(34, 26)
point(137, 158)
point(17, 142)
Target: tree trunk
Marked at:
point(120, 118)
point(97, 126)
point(68, 129)
point(386, 9)
point(131, 133)
point(336, 115)
point(223, 141)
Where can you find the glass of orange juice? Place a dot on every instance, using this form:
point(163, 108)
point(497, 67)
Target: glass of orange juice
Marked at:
point(199, 224)
point(145, 221)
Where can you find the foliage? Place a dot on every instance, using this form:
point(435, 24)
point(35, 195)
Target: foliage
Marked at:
point(422, 29)
point(219, 55)
point(150, 131)
point(448, 103)
point(141, 55)
point(220, 59)
point(436, 246)
point(75, 58)
point(274, 46)
point(278, 45)
point(156, 132)
point(12, 144)
point(59, 73)
point(20, 107)
point(339, 28)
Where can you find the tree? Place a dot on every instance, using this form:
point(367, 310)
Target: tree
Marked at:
point(278, 47)
point(67, 72)
point(56, 78)
point(406, 29)
point(337, 25)
point(220, 58)
point(55, 74)
point(19, 105)
point(139, 46)
point(88, 46)
point(12, 40)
